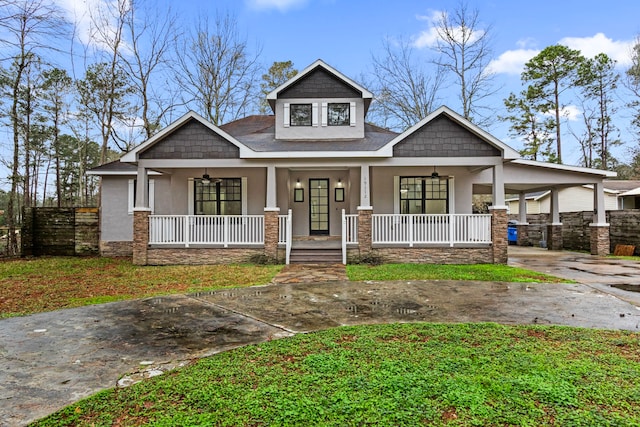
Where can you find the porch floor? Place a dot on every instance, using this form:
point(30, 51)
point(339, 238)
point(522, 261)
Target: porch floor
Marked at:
point(321, 242)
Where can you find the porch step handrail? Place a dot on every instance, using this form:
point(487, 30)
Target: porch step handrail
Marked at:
point(431, 229)
point(206, 229)
point(349, 232)
point(289, 237)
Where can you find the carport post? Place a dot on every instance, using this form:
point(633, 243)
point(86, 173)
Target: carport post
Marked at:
point(600, 239)
point(554, 230)
point(522, 227)
point(499, 218)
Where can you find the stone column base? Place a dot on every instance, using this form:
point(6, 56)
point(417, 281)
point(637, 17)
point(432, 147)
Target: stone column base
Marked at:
point(499, 221)
point(140, 235)
point(554, 237)
point(523, 234)
point(600, 239)
point(364, 230)
point(271, 232)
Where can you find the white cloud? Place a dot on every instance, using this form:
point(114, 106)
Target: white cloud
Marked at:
point(599, 43)
point(281, 5)
point(569, 112)
point(511, 61)
point(429, 37)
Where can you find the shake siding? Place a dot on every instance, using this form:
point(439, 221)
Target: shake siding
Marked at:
point(193, 140)
point(443, 138)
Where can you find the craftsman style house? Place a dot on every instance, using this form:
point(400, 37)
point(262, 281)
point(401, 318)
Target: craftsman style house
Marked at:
point(316, 172)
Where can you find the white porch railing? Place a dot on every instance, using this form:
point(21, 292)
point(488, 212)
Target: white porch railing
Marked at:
point(206, 229)
point(435, 229)
point(349, 232)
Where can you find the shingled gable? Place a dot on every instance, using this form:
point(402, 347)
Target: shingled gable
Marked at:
point(189, 137)
point(320, 80)
point(444, 133)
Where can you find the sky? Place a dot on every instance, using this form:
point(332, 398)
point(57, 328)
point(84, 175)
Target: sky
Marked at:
point(347, 33)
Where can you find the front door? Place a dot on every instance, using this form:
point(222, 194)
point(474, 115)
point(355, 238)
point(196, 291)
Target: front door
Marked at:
point(319, 206)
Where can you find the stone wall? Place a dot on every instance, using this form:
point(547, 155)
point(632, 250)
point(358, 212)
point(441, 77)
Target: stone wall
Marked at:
point(436, 255)
point(200, 256)
point(116, 248)
point(576, 233)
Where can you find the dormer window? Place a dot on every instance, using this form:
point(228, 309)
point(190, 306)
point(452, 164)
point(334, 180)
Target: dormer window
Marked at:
point(300, 115)
point(338, 114)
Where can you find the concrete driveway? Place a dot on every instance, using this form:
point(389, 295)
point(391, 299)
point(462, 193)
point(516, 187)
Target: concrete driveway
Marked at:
point(51, 360)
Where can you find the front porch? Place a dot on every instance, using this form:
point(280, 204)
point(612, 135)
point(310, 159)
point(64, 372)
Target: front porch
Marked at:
point(200, 239)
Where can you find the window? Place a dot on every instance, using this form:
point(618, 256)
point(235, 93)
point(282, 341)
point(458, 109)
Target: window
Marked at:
point(424, 195)
point(221, 196)
point(300, 114)
point(338, 114)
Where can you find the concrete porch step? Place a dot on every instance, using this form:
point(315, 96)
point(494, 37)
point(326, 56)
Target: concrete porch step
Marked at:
point(315, 256)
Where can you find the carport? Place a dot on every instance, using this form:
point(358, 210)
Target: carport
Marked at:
point(524, 176)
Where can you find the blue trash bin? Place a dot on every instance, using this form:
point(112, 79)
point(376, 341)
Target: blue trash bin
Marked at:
point(512, 233)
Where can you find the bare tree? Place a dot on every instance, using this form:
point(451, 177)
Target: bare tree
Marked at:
point(464, 48)
point(406, 92)
point(152, 36)
point(216, 72)
point(103, 85)
point(632, 82)
point(31, 25)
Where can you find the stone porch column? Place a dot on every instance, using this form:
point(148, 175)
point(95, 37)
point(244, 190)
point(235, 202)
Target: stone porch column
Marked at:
point(140, 235)
point(499, 222)
point(364, 230)
point(554, 230)
point(600, 239)
point(271, 230)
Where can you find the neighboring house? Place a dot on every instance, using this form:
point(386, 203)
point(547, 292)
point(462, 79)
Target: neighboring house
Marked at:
point(572, 199)
point(199, 193)
point(628, 192)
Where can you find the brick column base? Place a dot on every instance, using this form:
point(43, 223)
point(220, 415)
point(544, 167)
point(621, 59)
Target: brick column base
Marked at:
point(600, 240)
point(140, 235)
point(271, 230)
point(499, 236)
point(364, 231)
point(523, 235)
point(554, 237)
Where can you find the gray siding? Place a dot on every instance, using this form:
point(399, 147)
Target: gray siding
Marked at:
point(319, 83)
point(442, 137)
point(193, 140)
point(116, 224)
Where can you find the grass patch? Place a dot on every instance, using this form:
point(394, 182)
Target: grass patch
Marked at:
point(391, 375)
point(485, 272)
point(45, 284)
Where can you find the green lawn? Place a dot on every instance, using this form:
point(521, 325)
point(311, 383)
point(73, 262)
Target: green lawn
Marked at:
point(488, 272)
point(392, 375)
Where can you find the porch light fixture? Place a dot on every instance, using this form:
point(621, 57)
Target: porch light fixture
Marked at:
point(339, 182)
point(298, 183)
point(434, 175)
point(206, 179)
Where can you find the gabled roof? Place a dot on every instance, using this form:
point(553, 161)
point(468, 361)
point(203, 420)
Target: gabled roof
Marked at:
point(132, 156)
point(115, 168)
point(366, 95)
point(508, 153)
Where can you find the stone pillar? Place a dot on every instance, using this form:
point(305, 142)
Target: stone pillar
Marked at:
point(523, 234)
point(499, 222)
point(554, 237)
point(600, 240)
point(271, 230)
point(364, 230)
point(140, 235)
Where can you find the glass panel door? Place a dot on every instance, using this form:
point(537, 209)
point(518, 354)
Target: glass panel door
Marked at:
point(319, 206)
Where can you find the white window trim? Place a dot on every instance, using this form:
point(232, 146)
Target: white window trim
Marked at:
point(325, 120)
point(131, 202)
point(286, 113)
point(352, 113)
point(314, 114)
